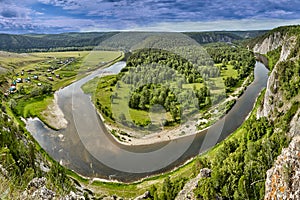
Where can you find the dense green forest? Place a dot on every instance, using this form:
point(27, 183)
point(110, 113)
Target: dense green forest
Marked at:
point(239, 166)
point(86, 41)
point(238, 56)
point(151, 69)
point(223, 36)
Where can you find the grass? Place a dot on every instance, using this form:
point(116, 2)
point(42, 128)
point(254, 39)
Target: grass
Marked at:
point(131, 190)
point(228, 71)
point(13, 60)
point(99, 57)
point(40, 63)
point(119, 105)
point(33, 107)
point(61, 54)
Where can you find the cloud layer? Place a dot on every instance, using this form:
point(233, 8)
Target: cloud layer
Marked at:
point(87, 15)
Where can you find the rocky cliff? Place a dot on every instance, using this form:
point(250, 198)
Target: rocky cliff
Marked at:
point(273, 91)
point(283, 178)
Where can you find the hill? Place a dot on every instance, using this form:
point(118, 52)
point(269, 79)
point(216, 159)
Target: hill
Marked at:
point(88, 40)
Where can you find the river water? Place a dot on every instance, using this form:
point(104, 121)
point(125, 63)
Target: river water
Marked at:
point(86, 147)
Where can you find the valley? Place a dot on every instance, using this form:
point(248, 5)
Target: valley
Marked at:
point(91, 124)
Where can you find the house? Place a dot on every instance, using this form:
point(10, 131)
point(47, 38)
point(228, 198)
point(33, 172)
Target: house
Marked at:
point(19, 80)
point(27, 79)
point(12, 89)
point(50, 78)
point(35, 77)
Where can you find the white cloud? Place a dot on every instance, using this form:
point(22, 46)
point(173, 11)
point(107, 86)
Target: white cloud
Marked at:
point(219, 25)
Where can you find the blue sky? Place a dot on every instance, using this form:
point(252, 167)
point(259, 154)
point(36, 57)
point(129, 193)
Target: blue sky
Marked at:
point(56, 16)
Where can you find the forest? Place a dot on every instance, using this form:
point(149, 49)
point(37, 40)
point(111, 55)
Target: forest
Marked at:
point(177, 81)
point(87, 41)
point(158, 77)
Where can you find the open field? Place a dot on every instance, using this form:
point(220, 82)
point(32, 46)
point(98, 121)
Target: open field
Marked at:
point(36, 75)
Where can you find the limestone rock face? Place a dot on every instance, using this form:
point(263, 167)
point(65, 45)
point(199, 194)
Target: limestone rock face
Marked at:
point(187, 191)
point(273, 96)
point(36, 189)
point(283, 180)
point(268, 44)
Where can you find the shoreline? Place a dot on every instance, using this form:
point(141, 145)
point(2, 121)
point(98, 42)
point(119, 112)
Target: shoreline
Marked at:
point(179, 166)
point(91, 180)
point(168, 135)
point(53, 117)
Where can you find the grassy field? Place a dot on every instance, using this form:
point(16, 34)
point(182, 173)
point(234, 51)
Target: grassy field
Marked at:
point(53, 69)
point(13, 60)
point(119, 105)
point(228, 71)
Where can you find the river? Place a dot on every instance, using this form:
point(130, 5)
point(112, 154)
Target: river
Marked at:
point(86, 147)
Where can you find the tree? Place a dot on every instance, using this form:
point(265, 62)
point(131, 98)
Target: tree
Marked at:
point(206, 189)
point(174, 111)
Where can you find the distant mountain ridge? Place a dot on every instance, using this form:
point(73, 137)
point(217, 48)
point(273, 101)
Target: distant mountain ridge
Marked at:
point(88, 40)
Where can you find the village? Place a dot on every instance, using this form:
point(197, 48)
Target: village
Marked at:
point(39, 74)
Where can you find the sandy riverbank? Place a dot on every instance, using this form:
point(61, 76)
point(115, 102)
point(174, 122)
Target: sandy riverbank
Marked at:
point(53, 115)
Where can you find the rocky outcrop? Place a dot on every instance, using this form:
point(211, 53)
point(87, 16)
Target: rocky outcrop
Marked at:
point(295, 125)
point(268, 105)
point(36, 189)
point(3, 171)
point(143, 196)
point(273, 95)
point(190, 186)
point(288, 44)
point(268, 44)
point(283, 180)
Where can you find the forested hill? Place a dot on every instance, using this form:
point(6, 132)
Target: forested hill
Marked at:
point(223, 36)
point(46, 42)
point(79, 41)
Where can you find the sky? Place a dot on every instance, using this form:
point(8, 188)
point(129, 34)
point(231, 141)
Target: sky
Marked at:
point(57, 16)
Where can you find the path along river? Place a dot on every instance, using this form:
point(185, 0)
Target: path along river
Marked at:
point(86, 147)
